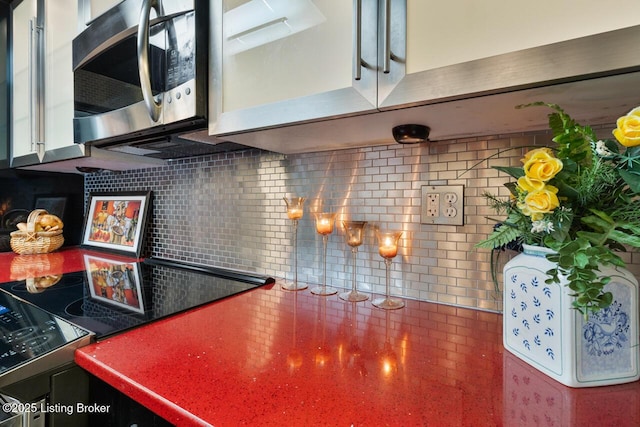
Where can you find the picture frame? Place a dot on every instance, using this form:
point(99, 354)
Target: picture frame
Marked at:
point(115, 282)
point(116, 222)
point(55, 205)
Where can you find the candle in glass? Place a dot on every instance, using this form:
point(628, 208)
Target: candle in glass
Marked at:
point(388, 246)
point(388, 249)
point(353, 234)
point(295, 211)
point(324, 227)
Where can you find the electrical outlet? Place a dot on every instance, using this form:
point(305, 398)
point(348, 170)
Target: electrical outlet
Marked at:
point(433, 205)
point(442, 204)
point(450, 198)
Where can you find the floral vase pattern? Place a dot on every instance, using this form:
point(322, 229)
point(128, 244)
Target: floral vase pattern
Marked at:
point(542, 329)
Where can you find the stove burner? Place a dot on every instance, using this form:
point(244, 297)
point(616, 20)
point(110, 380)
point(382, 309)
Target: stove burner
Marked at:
point(76, 308)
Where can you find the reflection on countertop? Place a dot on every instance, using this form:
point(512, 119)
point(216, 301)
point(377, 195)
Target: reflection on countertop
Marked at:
point(274, 357)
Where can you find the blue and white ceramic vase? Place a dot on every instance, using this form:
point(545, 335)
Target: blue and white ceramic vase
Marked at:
point(542, 328)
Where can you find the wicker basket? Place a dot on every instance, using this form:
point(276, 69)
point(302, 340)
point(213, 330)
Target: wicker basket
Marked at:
point(35, 242)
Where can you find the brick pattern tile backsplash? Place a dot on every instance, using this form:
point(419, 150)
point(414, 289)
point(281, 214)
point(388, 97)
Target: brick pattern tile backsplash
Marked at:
point(228, 210)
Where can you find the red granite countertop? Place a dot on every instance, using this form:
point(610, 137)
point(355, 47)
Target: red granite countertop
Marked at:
point(272, 357)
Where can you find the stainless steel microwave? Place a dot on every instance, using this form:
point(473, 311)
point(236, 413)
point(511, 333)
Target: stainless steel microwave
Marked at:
point(140, 71)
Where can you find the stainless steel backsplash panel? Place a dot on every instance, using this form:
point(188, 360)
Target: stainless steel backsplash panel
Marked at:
point(227, 210)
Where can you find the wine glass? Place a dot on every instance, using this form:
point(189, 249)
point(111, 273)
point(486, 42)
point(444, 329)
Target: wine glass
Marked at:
point(295, 211)
point(388, 249)
point(324, 226)
point(353, 235)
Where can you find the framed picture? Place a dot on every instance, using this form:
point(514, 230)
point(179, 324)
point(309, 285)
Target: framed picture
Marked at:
point(115, 282)
point(53, 205)
point(116, 221)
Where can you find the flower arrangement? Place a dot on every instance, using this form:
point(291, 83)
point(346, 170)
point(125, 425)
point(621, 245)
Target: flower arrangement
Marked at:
point(579, 198)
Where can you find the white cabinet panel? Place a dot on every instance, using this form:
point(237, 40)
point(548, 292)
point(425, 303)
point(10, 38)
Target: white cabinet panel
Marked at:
point(419, 53)
point(285, 61)
point(88, 10)
point(442, 33)
point(313, 60)
point(462, 48)
point(42, 89)
point(60, 31)
point(22, 98)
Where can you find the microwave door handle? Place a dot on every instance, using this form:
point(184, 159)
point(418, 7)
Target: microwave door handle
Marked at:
point(154, 107)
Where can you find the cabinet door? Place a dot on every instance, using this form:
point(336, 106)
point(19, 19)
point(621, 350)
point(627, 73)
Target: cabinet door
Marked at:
point(460, 47)
point(23, 86)
point(60, 31)
point(91, 9)
point(284, 61)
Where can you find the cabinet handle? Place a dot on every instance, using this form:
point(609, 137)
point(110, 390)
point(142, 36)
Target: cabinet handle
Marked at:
point(32, 84)
point(153, 106)
point(36, 83)
point(357, 56)
point(386, 36)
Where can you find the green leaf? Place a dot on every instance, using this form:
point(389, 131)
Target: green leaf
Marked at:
point(501, 236)
point(632, 179)
point(612, 146)
point(581, 260)
point(605, 300)
point(564, 189)
point(624, 238)
point(512, 186)
point(602, 215)
point(594, 238)
point(632, 228)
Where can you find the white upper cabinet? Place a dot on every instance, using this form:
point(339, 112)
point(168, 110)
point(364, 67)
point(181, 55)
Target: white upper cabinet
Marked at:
point(42, 89)
point(443, 33)
point(88, 10)
point(23, 87)
point(60, 31)
point(283, 62)
point(464, 48)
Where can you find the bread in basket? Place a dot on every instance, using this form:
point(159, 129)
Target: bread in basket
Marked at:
point(41, 234)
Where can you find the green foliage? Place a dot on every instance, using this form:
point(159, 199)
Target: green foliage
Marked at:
point(598, 212)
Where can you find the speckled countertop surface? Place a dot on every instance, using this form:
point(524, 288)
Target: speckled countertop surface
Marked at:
point(270, 357)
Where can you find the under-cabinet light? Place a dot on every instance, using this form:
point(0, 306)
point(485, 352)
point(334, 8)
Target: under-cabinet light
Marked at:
point(411, 134)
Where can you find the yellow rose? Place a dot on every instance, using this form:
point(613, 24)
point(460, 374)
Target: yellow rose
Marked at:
point(540, 164)
point(537, 151)
point(628, 130)
point(539, 202)
point(529, 184)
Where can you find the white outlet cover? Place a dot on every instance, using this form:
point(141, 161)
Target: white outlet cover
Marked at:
point(450, 204)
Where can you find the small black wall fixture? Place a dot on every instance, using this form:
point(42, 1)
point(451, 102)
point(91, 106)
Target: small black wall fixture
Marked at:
point(411, 134)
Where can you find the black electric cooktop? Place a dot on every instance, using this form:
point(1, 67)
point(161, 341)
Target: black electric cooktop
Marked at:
point(111, 296)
